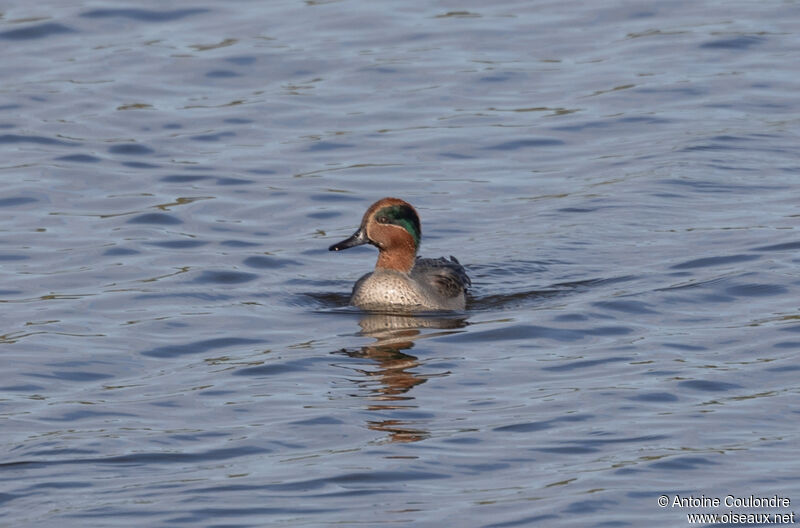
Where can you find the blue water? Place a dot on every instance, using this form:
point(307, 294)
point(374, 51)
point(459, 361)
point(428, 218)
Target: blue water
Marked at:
point(619, 179)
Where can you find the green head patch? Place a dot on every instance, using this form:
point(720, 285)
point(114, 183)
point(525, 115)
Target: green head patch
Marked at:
point(403, 216)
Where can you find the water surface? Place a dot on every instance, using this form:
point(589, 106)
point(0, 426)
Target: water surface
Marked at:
point(620, 181)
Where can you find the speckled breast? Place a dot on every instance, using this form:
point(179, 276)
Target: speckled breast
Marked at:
point(388, 289)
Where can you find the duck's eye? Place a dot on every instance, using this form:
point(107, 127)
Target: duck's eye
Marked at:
point(383, 219)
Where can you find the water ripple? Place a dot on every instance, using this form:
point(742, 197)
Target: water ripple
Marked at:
point(36, 32)
point(130, 149)
point(708, 385)
point(525, 143)
point(39, 140)
point(714, 261)
point(528, 427)
point(199, 347)
point(224, 277)
point(14, 201)
point(156, 219)
point(742, 42)
point(144, 15)
point(683, 463)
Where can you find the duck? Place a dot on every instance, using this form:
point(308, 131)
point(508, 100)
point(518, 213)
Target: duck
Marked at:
point(402, 281)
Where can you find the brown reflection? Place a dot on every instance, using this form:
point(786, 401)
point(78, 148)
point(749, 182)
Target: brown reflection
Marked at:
point(394, 335)
point(398, 430)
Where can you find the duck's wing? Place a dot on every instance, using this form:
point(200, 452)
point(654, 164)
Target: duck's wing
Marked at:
point(447, 276)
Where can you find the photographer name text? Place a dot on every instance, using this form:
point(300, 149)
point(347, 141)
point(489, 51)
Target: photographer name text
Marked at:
point(729, 501)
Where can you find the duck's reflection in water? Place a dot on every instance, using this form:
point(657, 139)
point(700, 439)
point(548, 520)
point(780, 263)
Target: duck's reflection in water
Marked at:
point(389, 384)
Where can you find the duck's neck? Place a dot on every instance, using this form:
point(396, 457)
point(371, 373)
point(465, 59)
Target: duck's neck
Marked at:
point(396, 259)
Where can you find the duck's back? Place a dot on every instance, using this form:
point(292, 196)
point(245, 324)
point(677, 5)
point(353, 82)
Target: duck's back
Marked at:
point(446, 277)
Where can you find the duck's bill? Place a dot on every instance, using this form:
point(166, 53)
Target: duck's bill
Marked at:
point(358, 238)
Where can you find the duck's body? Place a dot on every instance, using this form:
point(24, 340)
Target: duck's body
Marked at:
point(432, 284)
point(402, 281)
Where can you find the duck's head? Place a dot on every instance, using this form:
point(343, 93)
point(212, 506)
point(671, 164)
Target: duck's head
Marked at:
point(391, 225)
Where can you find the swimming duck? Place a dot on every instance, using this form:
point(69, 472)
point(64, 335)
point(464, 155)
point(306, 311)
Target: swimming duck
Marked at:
point(401, 280)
